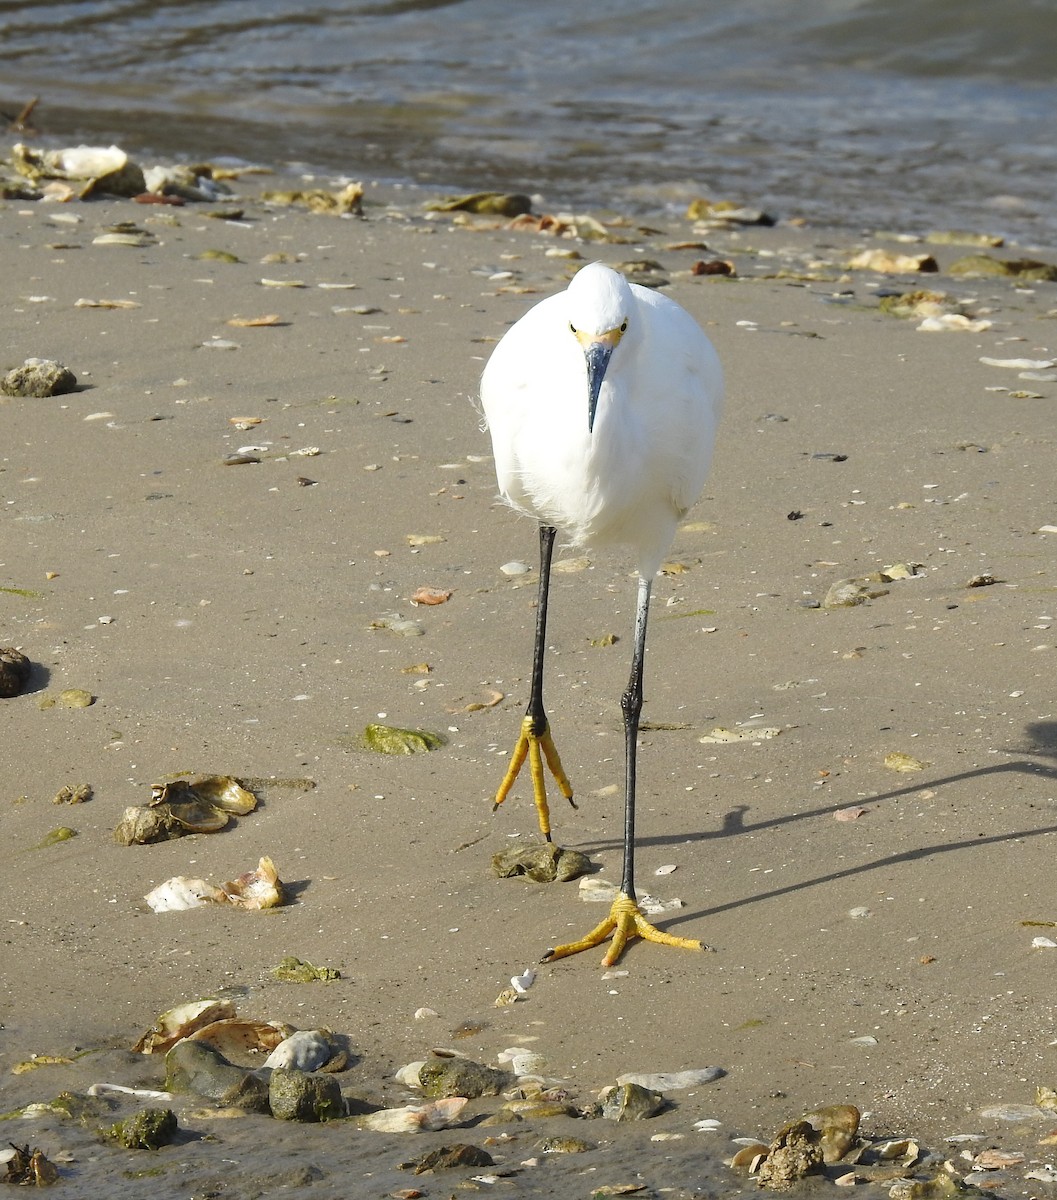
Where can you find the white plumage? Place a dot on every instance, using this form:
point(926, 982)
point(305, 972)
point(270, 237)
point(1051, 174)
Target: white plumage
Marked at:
point(602, 404)
point(631, 478)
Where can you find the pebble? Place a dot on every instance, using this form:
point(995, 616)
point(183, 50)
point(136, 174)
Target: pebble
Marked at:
point(512, 569)
point(38, 377)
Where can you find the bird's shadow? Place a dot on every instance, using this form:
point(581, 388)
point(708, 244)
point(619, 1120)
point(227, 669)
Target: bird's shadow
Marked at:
point(1043, 735)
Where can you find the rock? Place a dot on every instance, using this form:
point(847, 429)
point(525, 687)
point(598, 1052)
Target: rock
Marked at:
point(304, 1096)
point(795, 1152)
point(631, 1102)
point(441, 1077)
point(198, 1068)
point(563, 1145)
point(983, 266)
point(38, 377)
point(14, 671)
point(846, 593)
point(446, 1157)
point(147, 1130)
point(544, 864)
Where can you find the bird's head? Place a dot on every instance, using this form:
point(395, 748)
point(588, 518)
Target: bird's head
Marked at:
point(599, 311)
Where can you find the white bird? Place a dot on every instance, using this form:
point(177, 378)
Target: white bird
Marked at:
point(602, 403)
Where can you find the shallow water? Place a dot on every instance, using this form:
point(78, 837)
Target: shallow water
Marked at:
point(858, 113)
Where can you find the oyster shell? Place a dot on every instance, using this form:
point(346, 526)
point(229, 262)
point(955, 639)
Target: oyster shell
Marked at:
point(181, 1021)
point(240, 1038)
point(416, 1117)
point(256, 889)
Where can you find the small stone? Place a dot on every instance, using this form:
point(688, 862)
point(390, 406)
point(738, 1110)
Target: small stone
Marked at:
point(14, 671)
point(440, 1077)
point(446, 1157)
point(512, 569)
point(38, 377)
point(631, 1102)
point(846, 593)
point(309, 1096)
point(147, 1130)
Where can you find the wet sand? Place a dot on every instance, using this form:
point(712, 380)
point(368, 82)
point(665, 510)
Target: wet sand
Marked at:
point(231, 619)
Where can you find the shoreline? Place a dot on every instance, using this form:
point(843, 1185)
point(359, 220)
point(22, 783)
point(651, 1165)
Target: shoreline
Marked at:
point(234, 619)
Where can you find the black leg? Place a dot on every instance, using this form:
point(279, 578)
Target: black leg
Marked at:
point(535, 704)
point(535, 742)
point(631, 705)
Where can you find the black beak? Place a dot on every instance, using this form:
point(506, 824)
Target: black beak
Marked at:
point(597, 355)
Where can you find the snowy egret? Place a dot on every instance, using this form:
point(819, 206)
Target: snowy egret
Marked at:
point(602, 403)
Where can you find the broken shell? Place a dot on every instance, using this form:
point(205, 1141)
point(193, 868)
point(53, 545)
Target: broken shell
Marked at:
point(750, 1156)
point(416, 1117)
point(522, 983)
point(236, 1037)
point(180, 893)
point(196, 816)
point(892, 264)
point(544, 864)
point(408, 1075)
point(430, 595)
point(304, 1050)
point(528, 1062)
point(837, 1125)
point(257, 889)
point(224, 792)
point(181, 1022)
point(673, 1080)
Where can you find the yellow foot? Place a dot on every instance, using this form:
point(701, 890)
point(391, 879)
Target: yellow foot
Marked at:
point(625, 921)
point(536, 746)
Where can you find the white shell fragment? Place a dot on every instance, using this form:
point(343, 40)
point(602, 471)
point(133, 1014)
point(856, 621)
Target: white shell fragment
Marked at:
point(416, 1117)
point(951, 322)
point(305, 1050)
point(409, 1075)
point(522, 983)
point(671, 1081)
point(257, 889)
point(523, 1062)
point(119, 1089)
point(1043, 943)
point(180, 893)
point(1021, 364)
point(595, 890)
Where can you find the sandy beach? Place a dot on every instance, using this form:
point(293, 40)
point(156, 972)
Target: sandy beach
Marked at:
point(238, 619)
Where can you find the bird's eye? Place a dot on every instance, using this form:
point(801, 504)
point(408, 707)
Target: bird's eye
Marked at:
point(572, 328)
point(624, 327)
